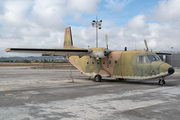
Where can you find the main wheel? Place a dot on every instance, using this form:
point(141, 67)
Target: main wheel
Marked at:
point(97, 78)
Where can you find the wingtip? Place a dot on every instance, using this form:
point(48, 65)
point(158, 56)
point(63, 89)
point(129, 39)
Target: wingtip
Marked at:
point(8, 50)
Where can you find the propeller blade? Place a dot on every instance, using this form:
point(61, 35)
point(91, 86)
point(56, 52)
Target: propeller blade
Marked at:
point(107, 51)
point(107, 62)
point(106, 41)
point(146, 45)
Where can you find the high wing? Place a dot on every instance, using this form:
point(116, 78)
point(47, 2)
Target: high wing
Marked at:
point(52, 52)
point(158, 53)
point(68, 49)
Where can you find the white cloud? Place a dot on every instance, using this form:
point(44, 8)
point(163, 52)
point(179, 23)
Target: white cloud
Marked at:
point(34, 31)
point(88, 6)
point(152, 44)
point(14, 13)
point(49, 13)
point(138, 22)
point(41, 24)
point(107, 23)
point(38, 23)
point(167, 10)
point(116, 4)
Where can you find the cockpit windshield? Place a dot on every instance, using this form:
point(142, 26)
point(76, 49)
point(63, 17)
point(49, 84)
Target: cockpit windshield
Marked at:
point(153, 58)
point(148, 58)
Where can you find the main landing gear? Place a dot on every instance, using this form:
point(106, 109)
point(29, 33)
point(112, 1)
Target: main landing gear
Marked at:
point(161, 82)
point(97, 78)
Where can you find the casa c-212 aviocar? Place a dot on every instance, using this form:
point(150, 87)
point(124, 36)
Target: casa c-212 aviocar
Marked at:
point(103, 62)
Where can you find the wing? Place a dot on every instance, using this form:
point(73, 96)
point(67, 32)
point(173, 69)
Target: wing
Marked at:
point(52, 52)
point(160, 54)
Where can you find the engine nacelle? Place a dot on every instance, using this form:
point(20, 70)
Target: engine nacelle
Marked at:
point(107, 51)
point(100, 54)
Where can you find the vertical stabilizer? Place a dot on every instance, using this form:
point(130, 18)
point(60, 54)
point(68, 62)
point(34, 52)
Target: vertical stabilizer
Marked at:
point(68, 43)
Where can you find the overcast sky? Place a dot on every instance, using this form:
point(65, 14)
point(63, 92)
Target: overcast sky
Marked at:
point(41, 23)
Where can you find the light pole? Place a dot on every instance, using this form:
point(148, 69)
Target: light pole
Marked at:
point(171, 55)
point(97, 24)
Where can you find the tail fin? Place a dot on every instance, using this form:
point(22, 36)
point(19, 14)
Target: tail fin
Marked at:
point(68, 43)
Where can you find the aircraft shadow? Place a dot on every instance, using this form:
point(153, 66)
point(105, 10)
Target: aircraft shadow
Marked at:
point(152, 82)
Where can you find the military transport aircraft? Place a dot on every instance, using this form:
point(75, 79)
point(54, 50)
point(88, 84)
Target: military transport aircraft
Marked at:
point(102, 62)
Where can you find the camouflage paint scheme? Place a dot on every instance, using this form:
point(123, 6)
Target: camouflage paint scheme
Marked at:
point(93, 61)
point(123, 64)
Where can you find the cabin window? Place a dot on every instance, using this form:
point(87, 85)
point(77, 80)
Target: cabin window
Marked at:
point(109, 62)
point(97, 62)
point(87, 62)
point(142, 59)
point(115, 62)
point(103, 62)
point(93, 62)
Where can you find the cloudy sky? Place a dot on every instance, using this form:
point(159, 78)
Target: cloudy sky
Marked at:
point(41, 23)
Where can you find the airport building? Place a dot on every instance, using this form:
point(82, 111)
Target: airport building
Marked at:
point(172, 59)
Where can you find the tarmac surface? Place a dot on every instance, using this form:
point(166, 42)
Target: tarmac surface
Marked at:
point(44, 94)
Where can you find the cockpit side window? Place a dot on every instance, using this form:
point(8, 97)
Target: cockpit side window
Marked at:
point(142, 59)
point(153, 58)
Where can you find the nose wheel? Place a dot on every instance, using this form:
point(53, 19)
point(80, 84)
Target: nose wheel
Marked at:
point(161, 82)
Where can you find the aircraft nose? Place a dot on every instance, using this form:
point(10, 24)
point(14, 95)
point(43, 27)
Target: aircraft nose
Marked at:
point(166, 68)
point(171, 70)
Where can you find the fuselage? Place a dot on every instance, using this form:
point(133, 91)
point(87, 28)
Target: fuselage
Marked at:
point(103, 62)
point(135, 64)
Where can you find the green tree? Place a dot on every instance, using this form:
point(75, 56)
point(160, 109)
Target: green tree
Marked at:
point(26, 61)
point(45, 61)
point(36, 61)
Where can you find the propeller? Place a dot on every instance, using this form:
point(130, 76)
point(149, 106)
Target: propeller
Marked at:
point(146, 45)
point(106, 41)
point(107, 51)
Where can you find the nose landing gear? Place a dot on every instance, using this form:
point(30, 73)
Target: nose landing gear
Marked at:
point(161, 81)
